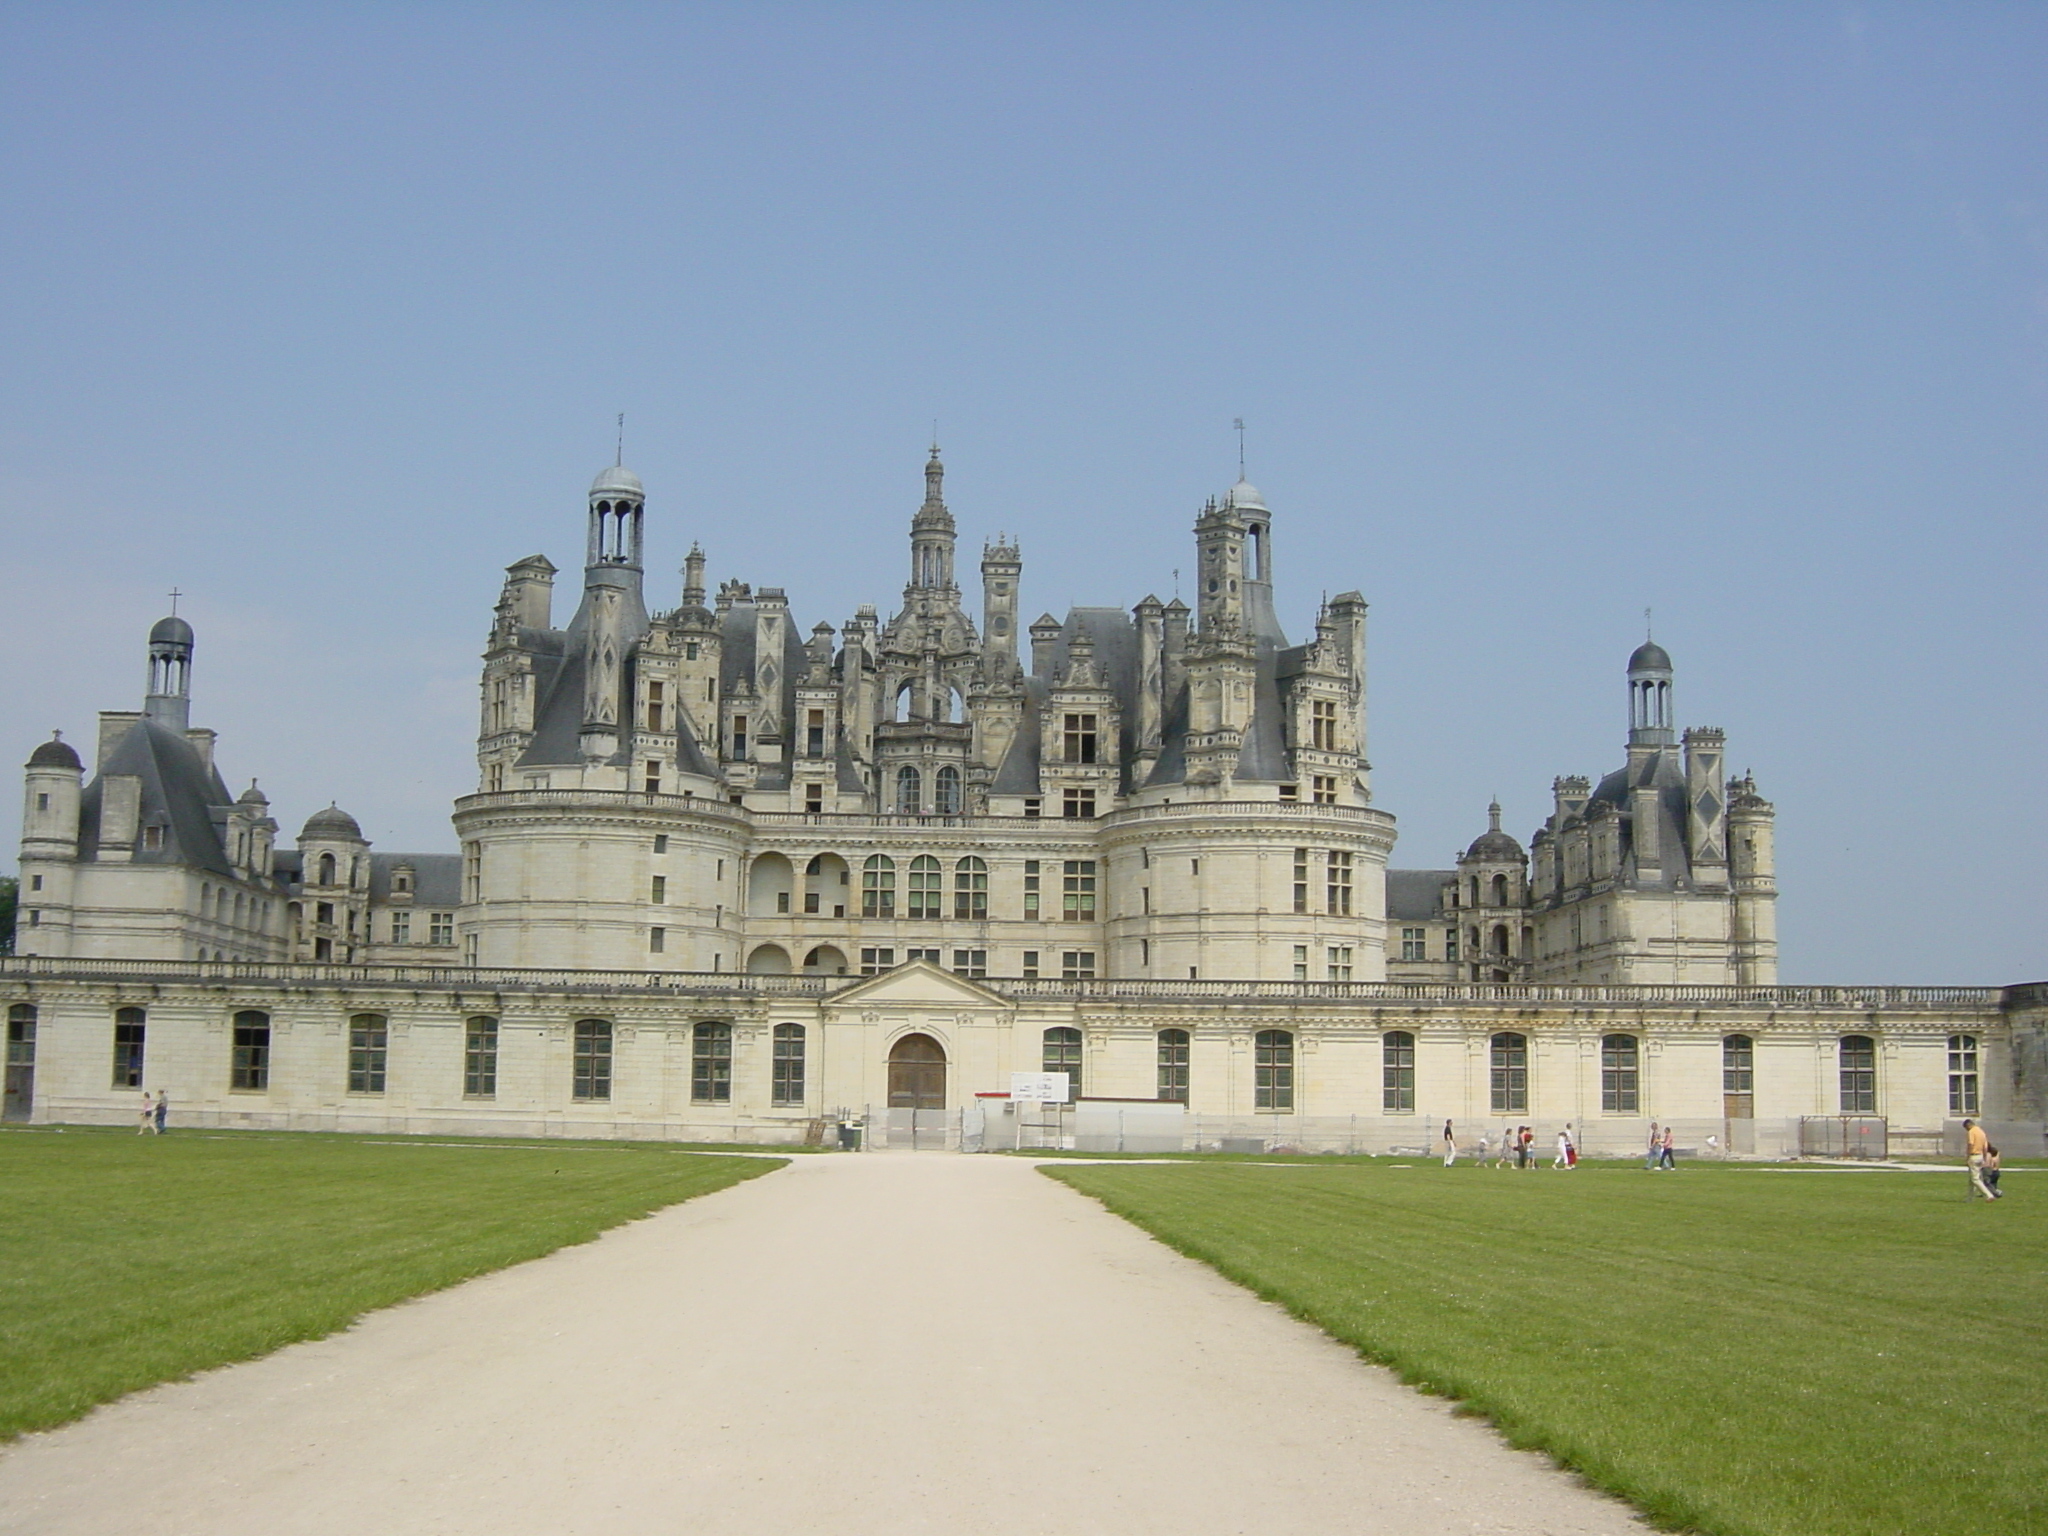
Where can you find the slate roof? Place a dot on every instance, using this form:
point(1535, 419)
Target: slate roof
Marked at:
point(1413, 894)
point(180, 792)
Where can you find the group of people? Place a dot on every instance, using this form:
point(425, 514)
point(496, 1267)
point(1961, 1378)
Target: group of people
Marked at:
point(1984, 1161)
point(1517, 1143)
point(154, 1113)
point(1661, 1156)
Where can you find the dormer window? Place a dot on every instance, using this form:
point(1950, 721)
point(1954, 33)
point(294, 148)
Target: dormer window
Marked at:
point(1080, 738)
point(152, 839)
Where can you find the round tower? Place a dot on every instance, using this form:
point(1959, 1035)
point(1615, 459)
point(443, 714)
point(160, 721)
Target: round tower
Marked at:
point(49, 848)
point(168, 700)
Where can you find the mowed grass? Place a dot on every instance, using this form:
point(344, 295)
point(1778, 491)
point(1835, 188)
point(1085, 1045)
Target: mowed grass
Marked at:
point(1735, 1350)
point(131, 1260)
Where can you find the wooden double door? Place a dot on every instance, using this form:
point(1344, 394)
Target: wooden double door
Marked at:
point(917, 1073)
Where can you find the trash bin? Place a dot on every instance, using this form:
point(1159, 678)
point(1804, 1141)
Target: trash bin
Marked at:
point(849, 1136)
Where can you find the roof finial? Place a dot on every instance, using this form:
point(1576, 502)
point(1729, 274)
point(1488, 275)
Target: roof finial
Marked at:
point(1493, 815)
point(935, 437)
point(1238, 423)
point(618, 462)
point(175, 595)
point(1648, 632)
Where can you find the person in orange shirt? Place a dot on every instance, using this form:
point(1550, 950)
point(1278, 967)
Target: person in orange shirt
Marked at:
point(1975, 1145)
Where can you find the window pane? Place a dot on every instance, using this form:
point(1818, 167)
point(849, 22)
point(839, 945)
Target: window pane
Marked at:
point(711, 1064)
point(480, 1057)
point(592, 1073)
point(1273, 1069)
point(1173, 1066)
point(787, 1086)
point(1510, 1074)
point(1397, 1071)
point(1063, 1054)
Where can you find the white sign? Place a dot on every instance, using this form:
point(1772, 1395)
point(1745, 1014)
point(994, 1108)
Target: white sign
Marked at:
point(1038, 1087)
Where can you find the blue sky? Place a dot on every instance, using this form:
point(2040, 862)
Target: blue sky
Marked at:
point(1537, 315)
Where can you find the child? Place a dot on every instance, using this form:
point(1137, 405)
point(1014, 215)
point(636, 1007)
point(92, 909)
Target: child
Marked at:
point(1991, 1171)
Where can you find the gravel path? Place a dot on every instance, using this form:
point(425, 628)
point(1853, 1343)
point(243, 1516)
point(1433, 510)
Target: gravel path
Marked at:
point(895, 1344)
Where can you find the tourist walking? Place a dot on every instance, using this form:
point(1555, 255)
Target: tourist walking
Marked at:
point(1666, 1154)
point(1450, 1145)
point(1655, 1153)
point(1571, 1147)
point(148, 1121)
point(1564, 1150)
point(1975, 1146)
point(163, 1110)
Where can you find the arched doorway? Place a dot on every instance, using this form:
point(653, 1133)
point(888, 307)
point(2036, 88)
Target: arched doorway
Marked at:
point(768, 960)
point(917, 1073)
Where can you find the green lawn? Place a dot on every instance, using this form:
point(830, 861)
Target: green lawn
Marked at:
point(1735, 1350)
point(131, 1260)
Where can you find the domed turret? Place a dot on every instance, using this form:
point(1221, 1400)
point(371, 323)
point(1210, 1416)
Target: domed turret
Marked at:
point(171, 630)
point(617, 480)
point(169, 700)
point(616, 502)
point(1493, 846)
point(1649, 657)
point(1649, 696)
point(56, 753)
point(1244, 495)
point(331, 825)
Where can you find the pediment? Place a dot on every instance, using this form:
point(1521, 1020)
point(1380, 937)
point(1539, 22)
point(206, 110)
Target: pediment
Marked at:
point(921, 983)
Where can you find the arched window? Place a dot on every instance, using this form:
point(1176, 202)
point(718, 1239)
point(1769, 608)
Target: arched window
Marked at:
point(946, 791)
point(927, 893)
point(878, 886)
point(592, 1070)
point(1620, 1074)
point(130, 1029)
point(1738, 1077)
point(970, 889)
point(1273, 1069)
point(1962, 1074)
point(1857, 1055)
point(1173, 1066)
point(1500, 938)
point(327, 869)
point(711, 1064)
point(1063, 1054)
point(251, 1064)
point(909, 791)
point(787, 1084)
point(369, 1042)
point(1500, 890)
point(1397, 1072)
point(1472, 886)
point(1510, 1074)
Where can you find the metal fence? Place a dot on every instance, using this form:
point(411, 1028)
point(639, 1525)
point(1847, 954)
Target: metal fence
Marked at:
point(1858, 1136)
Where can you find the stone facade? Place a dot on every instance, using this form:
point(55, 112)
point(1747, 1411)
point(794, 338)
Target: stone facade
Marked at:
point(1160, 820)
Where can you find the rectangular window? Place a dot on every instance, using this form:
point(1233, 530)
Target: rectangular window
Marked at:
point(1962, 1074)
point(1145, 952)
point(1323, 725)
point(369, 1041)
point(401, 927)
point(1450, 944)
point(1030, 968)
point(930, 955)
point(1301, 879)
point(814, 799)
point(1858, 1061)
point(1323, 789)
point(1080, 739)
point(1620, 1075)
point(1031, 807)
point(323, 912)
point(660, 892)
point(1173, 1066)
point(970, 889)
point(1510, 1083)
point(1301, 962)
point(1414, 943)
point(480, 1057)
point(1397, 1072)
point(1273, 1069)
point(657, 941)
point(1077, 803)
point(1338, 959)
point(711, 1064)
point(927, 890)
point(129, 1028)
point(875, 961)
point(814, 733)
point(654, 778)
point(1031, 890)
point(786, 1084)
point(1290, 791)
point(591, 1070)
point(152, 837)
point(441, 928)
point(654, 706)
point(1337, 891)
point(661, 842)
point(1738, 1077)
point(971, 962)
point(1077, 965)
point(251, 1065)
point(1077, 891)
point(739, 736)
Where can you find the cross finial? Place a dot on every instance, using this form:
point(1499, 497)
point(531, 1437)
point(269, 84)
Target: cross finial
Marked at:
point(620, 460)
point(175, 595)
point(1238, 423)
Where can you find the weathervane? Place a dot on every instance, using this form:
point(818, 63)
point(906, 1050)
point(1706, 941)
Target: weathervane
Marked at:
point(620, 460)
point(1238, 423)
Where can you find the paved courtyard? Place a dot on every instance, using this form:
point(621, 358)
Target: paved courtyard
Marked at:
point(895, 1343)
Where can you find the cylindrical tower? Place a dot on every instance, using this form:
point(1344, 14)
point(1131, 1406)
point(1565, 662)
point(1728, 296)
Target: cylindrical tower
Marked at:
point(49, 849)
